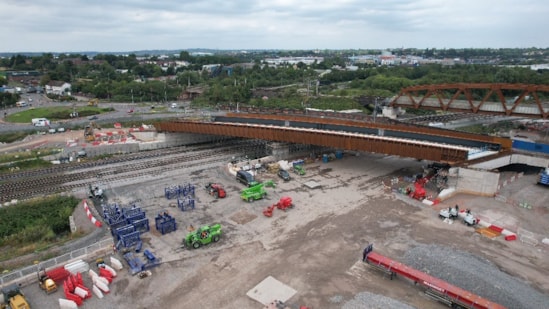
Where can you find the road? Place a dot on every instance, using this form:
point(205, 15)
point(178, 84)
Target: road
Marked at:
point(140, 111)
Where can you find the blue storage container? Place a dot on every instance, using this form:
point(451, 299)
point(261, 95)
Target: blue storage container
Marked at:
point(325, 158)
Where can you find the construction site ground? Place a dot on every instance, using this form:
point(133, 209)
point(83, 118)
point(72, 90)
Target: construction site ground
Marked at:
point(316, 247)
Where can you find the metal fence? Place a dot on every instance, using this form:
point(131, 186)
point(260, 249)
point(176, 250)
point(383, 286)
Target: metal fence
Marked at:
point(27, 274)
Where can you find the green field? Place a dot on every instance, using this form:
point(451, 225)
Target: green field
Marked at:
point(54, 113)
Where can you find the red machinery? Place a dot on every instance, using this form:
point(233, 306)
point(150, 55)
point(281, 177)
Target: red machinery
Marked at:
point(438, 289)
point(216, 190)
point(284, 203)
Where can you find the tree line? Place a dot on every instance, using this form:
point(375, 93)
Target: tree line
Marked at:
point(124, 78)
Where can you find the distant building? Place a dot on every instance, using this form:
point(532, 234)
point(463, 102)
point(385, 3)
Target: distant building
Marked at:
point(58, 88)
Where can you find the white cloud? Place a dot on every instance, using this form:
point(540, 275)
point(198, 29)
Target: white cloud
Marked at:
point(126, 25)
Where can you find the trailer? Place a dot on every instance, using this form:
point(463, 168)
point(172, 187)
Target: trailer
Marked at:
point(435, 288)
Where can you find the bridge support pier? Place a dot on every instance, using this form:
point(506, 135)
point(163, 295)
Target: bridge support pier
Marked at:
point(280, 151)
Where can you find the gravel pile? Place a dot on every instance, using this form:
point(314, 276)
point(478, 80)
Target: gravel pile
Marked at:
point(476, 275)
point(366, 300)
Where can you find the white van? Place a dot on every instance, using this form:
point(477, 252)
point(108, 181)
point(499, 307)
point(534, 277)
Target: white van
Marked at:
point(21, 104)
point(42, 123)
point(34, 121)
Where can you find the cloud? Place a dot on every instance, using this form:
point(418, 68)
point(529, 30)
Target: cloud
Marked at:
point(126, 25)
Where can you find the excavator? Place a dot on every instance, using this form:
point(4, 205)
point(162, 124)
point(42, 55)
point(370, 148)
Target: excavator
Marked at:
point(46, 283)
point(93, 102)
point(88, 131)
point(14, 298)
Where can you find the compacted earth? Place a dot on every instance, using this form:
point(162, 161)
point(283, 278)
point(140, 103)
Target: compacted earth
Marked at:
point(316, 247)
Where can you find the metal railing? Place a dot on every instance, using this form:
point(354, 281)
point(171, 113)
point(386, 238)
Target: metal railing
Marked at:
point(27, 274)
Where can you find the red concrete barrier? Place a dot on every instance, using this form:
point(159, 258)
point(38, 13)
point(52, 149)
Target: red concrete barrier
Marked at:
point(495, 228)
point(511, 237)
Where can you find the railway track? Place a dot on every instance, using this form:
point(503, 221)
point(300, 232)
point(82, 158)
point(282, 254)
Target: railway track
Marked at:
point(59, 179)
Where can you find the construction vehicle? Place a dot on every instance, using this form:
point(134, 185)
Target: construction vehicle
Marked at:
point(284, 203)
point(216, 190)
point(89, 135)
point(95, 192)
point(435, 288)
point(45, 282)
point(14, 298)
point(299, 169)
point(93, 102)
point(203, 236)
point(469, 219)
point(256, 192)
point(449, 213)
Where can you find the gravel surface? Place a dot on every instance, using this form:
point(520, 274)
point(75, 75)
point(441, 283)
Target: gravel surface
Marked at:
point(366, 300)
point(476, 275)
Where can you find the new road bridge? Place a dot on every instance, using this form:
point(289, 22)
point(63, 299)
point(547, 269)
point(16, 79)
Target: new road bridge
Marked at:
point(420, 142)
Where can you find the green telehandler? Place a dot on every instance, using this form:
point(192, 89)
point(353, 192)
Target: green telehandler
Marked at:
point(203, 236)
point(256, 192)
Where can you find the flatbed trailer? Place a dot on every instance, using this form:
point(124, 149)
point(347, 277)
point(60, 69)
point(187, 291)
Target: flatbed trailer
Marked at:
point(437, 289)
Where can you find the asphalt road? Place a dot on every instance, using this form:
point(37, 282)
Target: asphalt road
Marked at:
point(121, 113)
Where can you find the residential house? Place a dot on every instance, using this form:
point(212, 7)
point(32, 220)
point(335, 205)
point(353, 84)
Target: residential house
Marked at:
point(58, 88)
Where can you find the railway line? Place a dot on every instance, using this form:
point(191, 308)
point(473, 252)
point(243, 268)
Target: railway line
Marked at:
point(59, 179)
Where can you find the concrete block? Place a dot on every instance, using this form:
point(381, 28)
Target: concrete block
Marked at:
point(270, 289)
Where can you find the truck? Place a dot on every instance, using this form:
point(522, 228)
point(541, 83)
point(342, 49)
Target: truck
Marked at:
point(203, 236)
point(14, 298)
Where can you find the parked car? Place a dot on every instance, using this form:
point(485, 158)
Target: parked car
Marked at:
point(94, 117)
point(284, 174)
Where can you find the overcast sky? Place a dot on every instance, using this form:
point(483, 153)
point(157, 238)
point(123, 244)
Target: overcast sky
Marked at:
point(131, 25)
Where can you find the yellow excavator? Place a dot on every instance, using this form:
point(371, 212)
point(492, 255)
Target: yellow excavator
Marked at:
point(93, 102)
point(88, 131)
point(14, 298)
point(46, 283)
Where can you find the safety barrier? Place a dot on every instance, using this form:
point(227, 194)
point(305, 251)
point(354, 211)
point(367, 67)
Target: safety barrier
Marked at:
point(27, 275)
point(90, 215)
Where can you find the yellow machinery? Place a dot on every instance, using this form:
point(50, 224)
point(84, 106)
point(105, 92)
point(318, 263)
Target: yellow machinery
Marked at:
point(14, 298)
point(93, 102)
point(46, 283)
point(88, 131)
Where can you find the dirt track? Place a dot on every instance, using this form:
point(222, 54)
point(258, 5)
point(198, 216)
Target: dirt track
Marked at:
point(314, 248)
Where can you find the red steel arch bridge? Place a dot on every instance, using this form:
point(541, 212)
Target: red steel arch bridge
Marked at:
point(523, 100)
